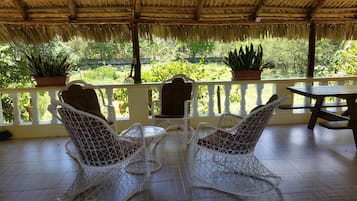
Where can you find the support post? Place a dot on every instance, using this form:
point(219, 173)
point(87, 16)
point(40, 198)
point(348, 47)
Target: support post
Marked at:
point(311, 55)
point(136, 52)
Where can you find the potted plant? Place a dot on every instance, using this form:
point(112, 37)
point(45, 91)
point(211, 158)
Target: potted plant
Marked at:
point(49, 70)
point(246, 64)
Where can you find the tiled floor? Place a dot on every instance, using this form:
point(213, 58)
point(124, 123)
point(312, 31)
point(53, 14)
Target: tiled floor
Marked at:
point(314, 165)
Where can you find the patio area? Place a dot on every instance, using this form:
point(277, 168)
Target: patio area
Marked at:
point(314, 165)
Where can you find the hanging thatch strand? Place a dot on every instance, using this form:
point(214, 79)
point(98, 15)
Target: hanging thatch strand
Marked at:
point(225, 20)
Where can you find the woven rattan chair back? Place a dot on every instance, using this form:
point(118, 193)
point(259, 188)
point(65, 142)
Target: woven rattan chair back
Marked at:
point(94, 138)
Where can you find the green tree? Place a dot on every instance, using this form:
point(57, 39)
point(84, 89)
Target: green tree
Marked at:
point(12, 76)
point(344, 61)
point(196, 48)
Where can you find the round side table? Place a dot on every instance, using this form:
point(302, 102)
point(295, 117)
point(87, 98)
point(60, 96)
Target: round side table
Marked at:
point(137, 166)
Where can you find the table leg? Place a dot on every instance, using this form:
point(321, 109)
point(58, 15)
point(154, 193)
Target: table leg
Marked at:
point(138, 166)
point(352, 111)
point(315, 112)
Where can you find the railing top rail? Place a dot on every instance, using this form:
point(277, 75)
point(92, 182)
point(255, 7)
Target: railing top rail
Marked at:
point(215, 82)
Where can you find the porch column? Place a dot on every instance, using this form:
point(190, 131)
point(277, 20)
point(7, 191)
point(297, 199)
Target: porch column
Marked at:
point(136, 52)
point(311, 55)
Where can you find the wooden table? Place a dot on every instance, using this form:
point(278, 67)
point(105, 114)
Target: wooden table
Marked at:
point(349, 93)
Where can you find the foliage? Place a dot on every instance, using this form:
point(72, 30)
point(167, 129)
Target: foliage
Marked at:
point(12, 76)
point(249, 59)
point(196, 48)
point(163, 71)
point(344, 61)
point(289, 57)
point(121, 95)
point(101, 74)
point(7, 107)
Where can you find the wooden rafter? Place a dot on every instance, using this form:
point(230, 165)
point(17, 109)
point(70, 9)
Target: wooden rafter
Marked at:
point(21, 7)
point(72, 9)
point(315, 9)
point(198, 9)
point(258, 9)
point(4, 1)
point(137, 9)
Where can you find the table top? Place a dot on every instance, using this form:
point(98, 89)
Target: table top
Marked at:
point(153, 131)
point(316, 91)
point(149, 132)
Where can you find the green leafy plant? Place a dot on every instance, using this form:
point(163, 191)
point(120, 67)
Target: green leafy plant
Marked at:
point(41, 65)
point(246, 59)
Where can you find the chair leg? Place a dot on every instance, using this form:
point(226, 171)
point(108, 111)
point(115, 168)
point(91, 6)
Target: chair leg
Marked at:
point(239, 175)
point(192, 134)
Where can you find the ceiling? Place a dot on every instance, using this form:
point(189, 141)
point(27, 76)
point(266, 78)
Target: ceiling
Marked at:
point(35, 21)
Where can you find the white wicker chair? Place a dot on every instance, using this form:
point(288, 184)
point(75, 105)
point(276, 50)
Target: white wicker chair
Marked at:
point(176, 97)
point(102, 156)
point(223, 158)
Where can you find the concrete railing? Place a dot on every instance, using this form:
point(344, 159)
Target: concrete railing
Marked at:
point(215, 97)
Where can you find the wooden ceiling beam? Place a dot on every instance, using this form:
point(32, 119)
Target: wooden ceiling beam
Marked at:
point(315, 9)
point(136, 9)
point(258, 9)
point(225, 22)
point(21, 7)
point(198, 9)
point(72, 5)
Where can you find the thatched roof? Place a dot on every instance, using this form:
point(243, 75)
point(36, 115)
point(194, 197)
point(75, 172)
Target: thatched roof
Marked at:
point(40, 20)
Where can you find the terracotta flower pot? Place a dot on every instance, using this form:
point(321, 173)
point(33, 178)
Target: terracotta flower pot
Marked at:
point(51, 81)
point(246, 75)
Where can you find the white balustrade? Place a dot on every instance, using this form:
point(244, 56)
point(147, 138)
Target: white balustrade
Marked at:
point(137, 94)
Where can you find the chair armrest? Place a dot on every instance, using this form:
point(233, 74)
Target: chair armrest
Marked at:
point(204, 129)
point(229, 120)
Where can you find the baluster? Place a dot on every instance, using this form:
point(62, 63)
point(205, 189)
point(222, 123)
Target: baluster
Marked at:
point(111, 110)
point(195, 104)
point(35, 110)
point(210, 100)
point(243, 89)
point(53, 111)
point(259, 88)
point(227, 91)
point(16, 111)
